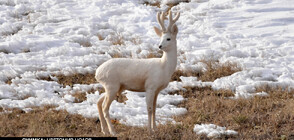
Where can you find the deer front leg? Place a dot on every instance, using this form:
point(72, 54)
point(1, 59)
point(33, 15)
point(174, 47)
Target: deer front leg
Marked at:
point(150, 96)
point(154, 128)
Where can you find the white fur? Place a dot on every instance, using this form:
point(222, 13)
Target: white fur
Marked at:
point(142, 75)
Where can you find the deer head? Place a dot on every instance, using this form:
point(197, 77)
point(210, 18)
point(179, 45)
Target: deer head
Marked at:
point(168, 36)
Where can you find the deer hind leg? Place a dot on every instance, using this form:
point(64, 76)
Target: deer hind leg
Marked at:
point(101, 115)
point(111, 92)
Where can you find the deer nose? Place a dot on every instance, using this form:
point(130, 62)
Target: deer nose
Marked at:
point(160, 46)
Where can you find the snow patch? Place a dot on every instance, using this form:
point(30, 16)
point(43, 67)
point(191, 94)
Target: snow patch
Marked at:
point(213, 131)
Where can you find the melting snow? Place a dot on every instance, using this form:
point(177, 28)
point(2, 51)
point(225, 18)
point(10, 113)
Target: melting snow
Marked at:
point(213, 131)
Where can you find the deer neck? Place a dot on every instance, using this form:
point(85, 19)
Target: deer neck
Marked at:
point(169, 60)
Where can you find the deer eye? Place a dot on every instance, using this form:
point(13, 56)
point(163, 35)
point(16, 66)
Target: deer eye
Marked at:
point(168, 39)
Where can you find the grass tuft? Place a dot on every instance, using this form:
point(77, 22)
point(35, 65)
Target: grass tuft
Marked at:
point(212, 71)
point(79, 97)
point(158, 4)
point(100, 37)
point(215, 70)
point(155, 4)
point(118, 40)
point(116, 54)
point(136, 40)
point(200, 92)
point(157, 54)
point(78, 78)
point(178, 73)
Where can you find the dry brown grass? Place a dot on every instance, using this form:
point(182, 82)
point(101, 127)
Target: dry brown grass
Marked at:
point(200, 92)
point(82, 96)
point(157, 4)
point(46, 122)
point(175, 4)
point(270, 117)
point(178, 73)
point(100, 37)
point(79, 97)
point(157, 54)
point(214, 70)
point(116, 54)
point(118, 40)
point(276, 91)
point(9, 81)
point(78, 78)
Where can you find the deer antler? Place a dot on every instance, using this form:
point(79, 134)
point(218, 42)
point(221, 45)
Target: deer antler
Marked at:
point(171, 20)
point(160, 18)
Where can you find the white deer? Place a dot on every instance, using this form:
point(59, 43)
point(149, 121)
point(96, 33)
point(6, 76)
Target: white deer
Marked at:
point(141, 75)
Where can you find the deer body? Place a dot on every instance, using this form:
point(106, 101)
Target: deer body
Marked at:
point(141, 75)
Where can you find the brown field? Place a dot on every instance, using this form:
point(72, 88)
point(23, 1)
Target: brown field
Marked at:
point(269, 117)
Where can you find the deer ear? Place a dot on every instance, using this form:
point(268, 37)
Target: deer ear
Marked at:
point(174, 29)
point(158, 31)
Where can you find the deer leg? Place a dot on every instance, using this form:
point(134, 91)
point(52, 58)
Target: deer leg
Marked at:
point(150, 101)
point(101, 115)
point(153, 113)
point(110, 96)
